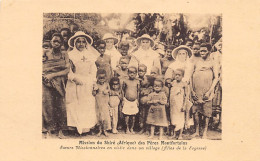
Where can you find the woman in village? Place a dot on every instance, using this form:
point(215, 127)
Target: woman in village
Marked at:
point(55, 69)
point(205, 76)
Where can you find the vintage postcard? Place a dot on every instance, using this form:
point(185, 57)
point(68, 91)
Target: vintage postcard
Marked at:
point(129, 80)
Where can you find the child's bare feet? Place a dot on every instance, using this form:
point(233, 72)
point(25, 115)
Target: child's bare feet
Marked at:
point(99, 133)
point(45, 135)
point(204, 136)
point(114, 131)
point(172, 137)
point(60, 135)
point(127, 131)
point(150, 137)
point(142, 131)
point(48, 135)
point(132, 131)
point(196, 134)
point(90, 133)
point(105, 133)
point(120, 127)
point(180, 137)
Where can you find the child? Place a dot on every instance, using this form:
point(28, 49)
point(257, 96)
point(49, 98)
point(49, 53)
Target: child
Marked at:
point(145, 89)
point(101, 93)
point(157, 114)
point(130, 100)
point(167, 59)
point(103, 61)
point(115, 99)
point(178, 99)
point(122, 72)
point(65, 33)
point(46, 47)
point(62, 48)
point(123, 48)
point(154, 72)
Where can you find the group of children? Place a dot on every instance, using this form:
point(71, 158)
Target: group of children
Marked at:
point(131, 99)
point(131, 94)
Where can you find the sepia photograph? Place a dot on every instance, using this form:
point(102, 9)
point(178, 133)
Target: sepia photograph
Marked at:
point(132, 76)
point(129, 80)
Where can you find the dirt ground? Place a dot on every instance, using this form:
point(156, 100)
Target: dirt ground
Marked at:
point(211, 135)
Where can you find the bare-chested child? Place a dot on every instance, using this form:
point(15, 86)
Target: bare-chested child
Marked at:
point(104, 61)
point(122, 72)
point(130, 100)
point(124, 48)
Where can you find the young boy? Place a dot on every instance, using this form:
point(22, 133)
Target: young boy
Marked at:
point(65, 33)
point(145, 89)
point(189, 43)
point(104, 61)
point(130, 100)
point(122, 72)
point(124, 48)
point(196, 52)
point(167, 60)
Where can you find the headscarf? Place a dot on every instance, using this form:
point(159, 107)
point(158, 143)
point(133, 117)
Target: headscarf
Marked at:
point(89, 53)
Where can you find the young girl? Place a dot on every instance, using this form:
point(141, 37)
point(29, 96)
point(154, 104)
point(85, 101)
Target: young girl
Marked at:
point(101, 93)
point(115, 99)
point(178, 99)
point(131, 97)
point(157, 114)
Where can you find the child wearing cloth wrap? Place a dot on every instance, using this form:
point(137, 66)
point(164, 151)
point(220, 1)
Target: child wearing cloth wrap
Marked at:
point(130, 100)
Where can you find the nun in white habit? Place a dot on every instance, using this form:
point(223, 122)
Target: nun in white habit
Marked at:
point(80, 102)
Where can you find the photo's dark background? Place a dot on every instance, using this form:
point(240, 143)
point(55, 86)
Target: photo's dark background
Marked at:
point(168, 28)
